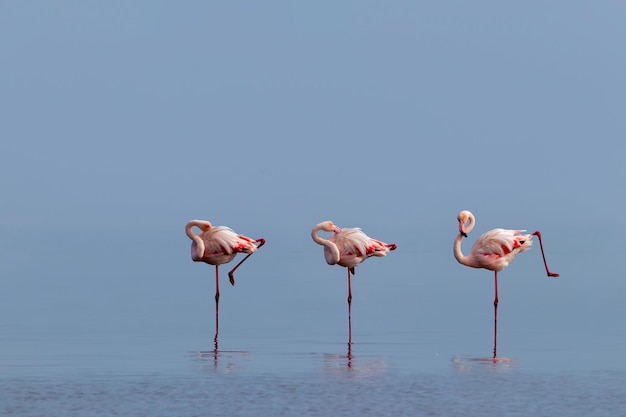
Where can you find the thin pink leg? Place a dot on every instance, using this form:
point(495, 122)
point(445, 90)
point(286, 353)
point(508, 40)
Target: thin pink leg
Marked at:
point(349, 308)
point(231, 274)
point(495, 317)
point(217, 300)
point(550, 274)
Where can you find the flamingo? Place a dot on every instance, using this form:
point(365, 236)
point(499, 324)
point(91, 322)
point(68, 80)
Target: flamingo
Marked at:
point(348, 247)
point(217, 245)
point(494, 250)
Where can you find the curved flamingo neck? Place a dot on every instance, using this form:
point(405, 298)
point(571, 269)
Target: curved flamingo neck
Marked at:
point(462, 259)
point(472, 222)
point(197, 250)
point(318, 239)
point(332, 253)
point(196, 223)
point(189, 231)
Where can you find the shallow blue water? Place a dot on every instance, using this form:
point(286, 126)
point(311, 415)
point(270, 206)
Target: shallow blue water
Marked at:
point(123, 334)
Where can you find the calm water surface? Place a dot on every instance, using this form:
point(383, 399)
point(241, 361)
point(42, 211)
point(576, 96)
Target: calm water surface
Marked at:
point(132, 337)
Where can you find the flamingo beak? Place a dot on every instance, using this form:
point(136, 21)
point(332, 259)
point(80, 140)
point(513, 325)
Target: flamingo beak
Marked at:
point(462, 229)
point(337, 230)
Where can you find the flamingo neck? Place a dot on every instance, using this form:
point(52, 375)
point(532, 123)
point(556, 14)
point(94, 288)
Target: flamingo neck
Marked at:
point(462, 259)
point(189, 231)
point(332, 251)
point(197, 250)
point(318, 239)
point(470, 226)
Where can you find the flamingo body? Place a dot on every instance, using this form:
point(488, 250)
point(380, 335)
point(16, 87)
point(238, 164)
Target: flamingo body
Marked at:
point(355, 247)
point(348, 247)
point(217, 245)
point(496, 249)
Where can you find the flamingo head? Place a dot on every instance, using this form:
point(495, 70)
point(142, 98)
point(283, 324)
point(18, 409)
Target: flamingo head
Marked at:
point(203, 225)
point(329, 226)
point(466, 222)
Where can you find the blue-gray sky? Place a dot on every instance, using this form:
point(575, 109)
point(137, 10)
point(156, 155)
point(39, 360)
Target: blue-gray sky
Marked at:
point(282, 114)
point(272, 116)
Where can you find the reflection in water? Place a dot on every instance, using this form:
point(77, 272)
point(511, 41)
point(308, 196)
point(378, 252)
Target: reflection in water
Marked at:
point(465, 364)
point(353, 366)
point(349, 356)
point(219, 361)
point(495, 325)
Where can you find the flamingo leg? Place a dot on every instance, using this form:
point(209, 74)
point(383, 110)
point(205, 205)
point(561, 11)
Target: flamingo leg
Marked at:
point(231, 274)
point(217, 300)
point(550, 274)
point(349, 308)
point(495, 317)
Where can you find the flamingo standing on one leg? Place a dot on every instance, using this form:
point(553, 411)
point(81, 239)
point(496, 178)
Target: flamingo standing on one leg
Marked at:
point(349, 247)
point(217, 245)
point(494, 250)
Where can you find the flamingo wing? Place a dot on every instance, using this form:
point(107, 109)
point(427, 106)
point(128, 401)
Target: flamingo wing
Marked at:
point(378, 248)
point(220, 240)
point(352, 242)
point(245, 244)
point(496, 248)
point(355, 246)
point(501, 242)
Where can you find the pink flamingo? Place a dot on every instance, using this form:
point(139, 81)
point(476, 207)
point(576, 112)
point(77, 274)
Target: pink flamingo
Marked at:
point(494, 250)
point(348, 247)
point(217, 245)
